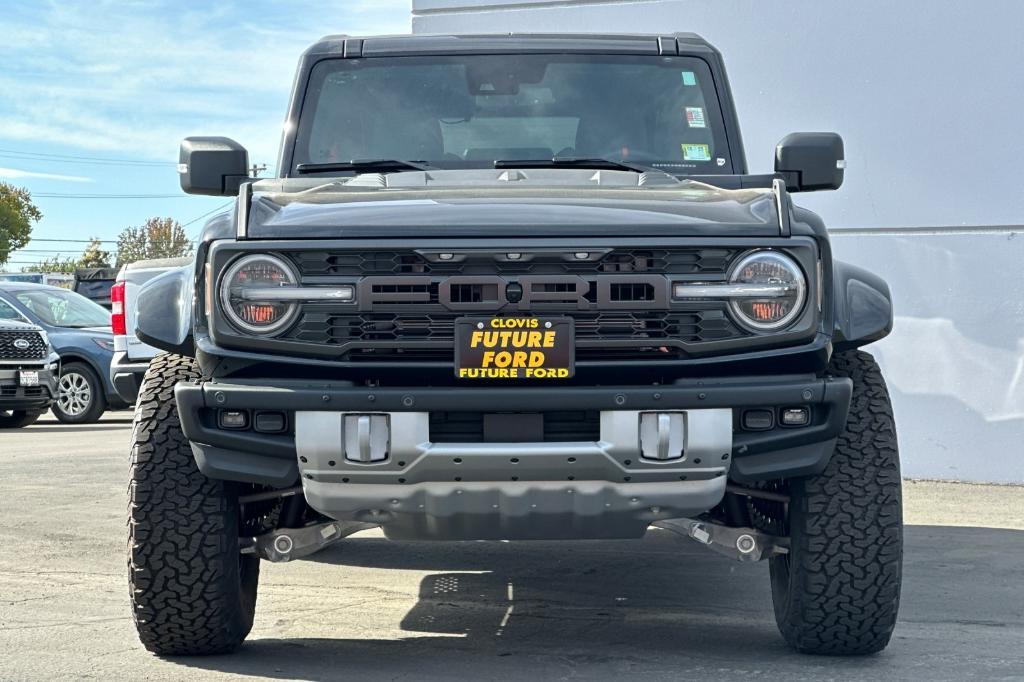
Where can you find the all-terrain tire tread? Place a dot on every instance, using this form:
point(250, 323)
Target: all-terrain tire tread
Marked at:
point(846, 530)
point(183, 557)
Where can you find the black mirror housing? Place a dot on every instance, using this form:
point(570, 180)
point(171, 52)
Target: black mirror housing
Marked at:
point(215, 166)
point(810, 161)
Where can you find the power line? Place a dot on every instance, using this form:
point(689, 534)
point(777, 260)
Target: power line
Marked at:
point(82, 159)
point(54, 251)
point(68, 158)
point(73, 241)
point(200, 217)
point(57, 195)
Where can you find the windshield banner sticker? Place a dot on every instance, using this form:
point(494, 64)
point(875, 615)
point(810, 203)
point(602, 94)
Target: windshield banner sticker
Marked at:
point(695, 117)
point(696, 152)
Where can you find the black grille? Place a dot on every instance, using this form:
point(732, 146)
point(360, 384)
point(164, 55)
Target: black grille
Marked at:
point(559, 427)
point(10, 391)
point(678, 261)
point(9, 346)
point(643, 328)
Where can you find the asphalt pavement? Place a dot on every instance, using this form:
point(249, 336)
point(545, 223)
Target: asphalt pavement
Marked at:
point(370, 609)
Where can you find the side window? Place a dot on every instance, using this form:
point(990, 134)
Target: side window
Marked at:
point(7, 312)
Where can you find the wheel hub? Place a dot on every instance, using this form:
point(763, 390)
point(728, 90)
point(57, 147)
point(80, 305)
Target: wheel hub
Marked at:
point(75, 394)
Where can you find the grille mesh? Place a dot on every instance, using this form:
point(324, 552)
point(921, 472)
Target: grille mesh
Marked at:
point(679, 261)
point(36, 349)
point(644, 328)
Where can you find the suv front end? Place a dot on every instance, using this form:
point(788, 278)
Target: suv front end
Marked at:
point(357, 395)
point(28, 371)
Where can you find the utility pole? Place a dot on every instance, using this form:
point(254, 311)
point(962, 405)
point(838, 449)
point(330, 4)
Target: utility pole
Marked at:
point(256, 170)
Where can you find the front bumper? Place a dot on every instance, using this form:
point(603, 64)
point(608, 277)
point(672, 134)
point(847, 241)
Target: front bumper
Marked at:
point(596, 488)
point(14, 396)
point(126, 376)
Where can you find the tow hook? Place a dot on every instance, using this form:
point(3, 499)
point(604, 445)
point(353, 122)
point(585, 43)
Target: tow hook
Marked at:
point(743, 544)
point(286, 544)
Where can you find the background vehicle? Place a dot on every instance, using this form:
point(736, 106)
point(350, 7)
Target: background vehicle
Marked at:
point(95, 284)
point(79, 331)
point(56, 279)
point(28, 370)
point(515, 287)
point(132, 356)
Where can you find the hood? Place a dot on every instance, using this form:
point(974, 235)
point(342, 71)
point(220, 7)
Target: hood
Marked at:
point(545, 202)
point(18, 326)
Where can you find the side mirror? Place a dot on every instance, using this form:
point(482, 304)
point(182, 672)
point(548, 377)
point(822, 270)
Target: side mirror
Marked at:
point(216, 166)
point(810, 161)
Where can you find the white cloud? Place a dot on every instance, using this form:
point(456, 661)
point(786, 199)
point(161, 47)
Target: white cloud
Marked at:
point(11, 173)
point(134, 78)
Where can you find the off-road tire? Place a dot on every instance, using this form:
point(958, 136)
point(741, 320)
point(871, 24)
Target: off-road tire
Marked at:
point(97, 400)
point(837, 592)
point(192, 592)
point(18, 419)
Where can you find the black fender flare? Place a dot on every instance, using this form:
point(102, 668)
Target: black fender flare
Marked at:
point(164, 311)
point(863, 307)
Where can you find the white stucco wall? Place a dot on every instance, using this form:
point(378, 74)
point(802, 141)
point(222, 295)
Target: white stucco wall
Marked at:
point(928, 98)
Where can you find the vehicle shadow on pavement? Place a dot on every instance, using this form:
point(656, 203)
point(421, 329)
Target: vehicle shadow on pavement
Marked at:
point(78, 428)
point(663, 607)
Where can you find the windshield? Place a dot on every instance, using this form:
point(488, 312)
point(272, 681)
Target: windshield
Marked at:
point(63, 308)
point(472, 110)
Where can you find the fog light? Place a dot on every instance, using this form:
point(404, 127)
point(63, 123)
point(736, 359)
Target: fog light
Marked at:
point(758, 420)
point(796, 416)
point(233, 419)
point(269, 422)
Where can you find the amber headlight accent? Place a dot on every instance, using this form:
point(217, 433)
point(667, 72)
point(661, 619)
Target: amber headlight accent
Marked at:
point(774, 290)
point(254, 294)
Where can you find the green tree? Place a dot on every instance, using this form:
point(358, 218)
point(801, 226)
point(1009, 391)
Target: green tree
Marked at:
point(158, 238)
point(94, 256)
point(17, 213)
point(54, 264)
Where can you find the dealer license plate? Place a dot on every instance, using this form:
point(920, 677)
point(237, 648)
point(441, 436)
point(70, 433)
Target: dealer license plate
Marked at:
point(28, 378)
point(514, 348)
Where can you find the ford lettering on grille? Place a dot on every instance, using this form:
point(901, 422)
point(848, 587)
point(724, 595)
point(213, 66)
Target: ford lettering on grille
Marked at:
point(520, 293)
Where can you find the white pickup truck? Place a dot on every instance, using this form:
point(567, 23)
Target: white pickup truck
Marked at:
point(132, 356)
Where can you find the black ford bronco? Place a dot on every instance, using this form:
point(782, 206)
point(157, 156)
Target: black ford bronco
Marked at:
point(514, 287)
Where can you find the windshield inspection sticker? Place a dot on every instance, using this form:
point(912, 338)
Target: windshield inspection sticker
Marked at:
point(696, 152)
point(688, 78)
point(695, 117)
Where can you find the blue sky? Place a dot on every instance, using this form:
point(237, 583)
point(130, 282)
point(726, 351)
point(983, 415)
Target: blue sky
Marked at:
point(121, 82)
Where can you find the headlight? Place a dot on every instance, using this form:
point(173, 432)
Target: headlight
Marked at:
point(770, 290)
point(247, 294)
point(105, 344)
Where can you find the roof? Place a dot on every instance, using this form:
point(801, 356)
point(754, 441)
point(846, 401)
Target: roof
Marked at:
point(21, 286)
point(158, 263)
point(497, 43)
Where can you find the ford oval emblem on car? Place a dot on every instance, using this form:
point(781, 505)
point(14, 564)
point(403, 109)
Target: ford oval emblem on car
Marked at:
point(21, 344)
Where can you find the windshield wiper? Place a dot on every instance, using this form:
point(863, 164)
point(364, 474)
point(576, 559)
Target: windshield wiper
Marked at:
point(378, 165)
point(576, 162)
